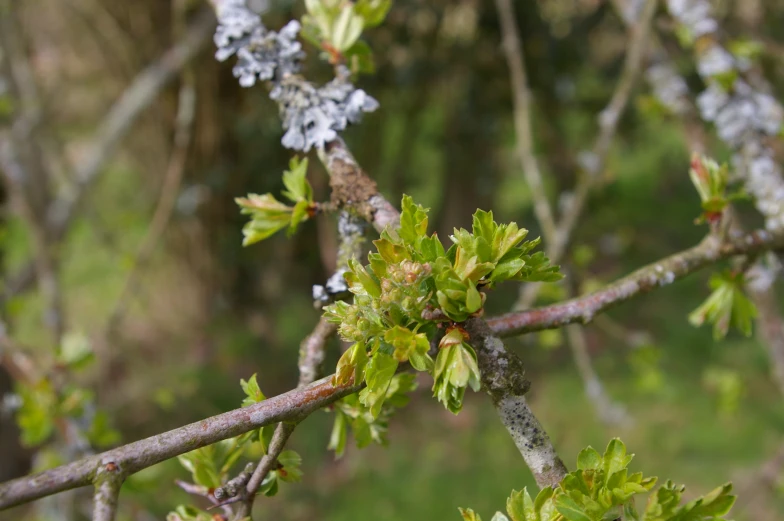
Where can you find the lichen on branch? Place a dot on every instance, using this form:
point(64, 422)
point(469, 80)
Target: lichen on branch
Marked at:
point(311, 115)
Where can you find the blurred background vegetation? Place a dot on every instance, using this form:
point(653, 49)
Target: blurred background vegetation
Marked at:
point(205, 312)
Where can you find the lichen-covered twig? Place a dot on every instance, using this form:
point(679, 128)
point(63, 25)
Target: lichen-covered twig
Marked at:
point(503, 377)
point(108, 481)
point(351, 234)
point(661, 273)
point(743, 111)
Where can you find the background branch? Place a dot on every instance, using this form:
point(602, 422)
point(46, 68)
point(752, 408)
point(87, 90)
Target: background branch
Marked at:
point(523, 118)
point(583, 309)
point(137, 97)
point(597, 158)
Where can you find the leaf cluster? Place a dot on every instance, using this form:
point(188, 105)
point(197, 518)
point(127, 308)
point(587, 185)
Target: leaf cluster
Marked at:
point(268, 215)
point(726, 306)
point(601, 489)
point(336, 26)
point(412, 287)
point(711, 179)
point(351, 414)
point(43, 406)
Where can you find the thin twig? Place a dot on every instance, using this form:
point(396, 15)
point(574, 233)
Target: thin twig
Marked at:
point(608, 125)
point(24, 169)
point(108, 481)
point(609, 412)
point(513, 50)
point(186, 110)
point(267, 463)
point(311, 351)
point(661, 273)
point(138, 96)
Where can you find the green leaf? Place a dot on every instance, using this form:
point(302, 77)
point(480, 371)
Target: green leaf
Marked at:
point(291, 462)
point(392, 253)
point(569, 508)
point(252, 391)
point(346, 28)
point(76, 351)
point(188, 513)
point(298, 188)
point(589, 458)
point(726, 305)
point(339, 435)
point(269, 485)
point(710, 506)
point(351, 366)
point(373, 12)
point(298, 215)
point(378, 375)
point(455, 369)
point(367, 281)
point(431, 248)
point(268, 215)
point(407, 343)
point(615, 457)
point(520, 507)
point(413, 221)
point(469, 515)
point(359, 58)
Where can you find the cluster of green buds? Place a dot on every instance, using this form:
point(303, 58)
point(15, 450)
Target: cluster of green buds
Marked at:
point(711, 179)
point(413, 290)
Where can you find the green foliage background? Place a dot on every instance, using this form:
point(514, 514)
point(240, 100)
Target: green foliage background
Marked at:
point(209, 312)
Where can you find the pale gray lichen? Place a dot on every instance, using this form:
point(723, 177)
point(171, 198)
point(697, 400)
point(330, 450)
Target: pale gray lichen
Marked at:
point(261, 54)
point(741, 115)
point(312, 116)
point(715, 61)
point(695, 15)
point(668, 87)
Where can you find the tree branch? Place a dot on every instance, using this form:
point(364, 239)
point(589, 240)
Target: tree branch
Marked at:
point(282, 433)
point(503, 378)
point(583, 309)
point(291, 406)
point(311, 351)
point(108, 481)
